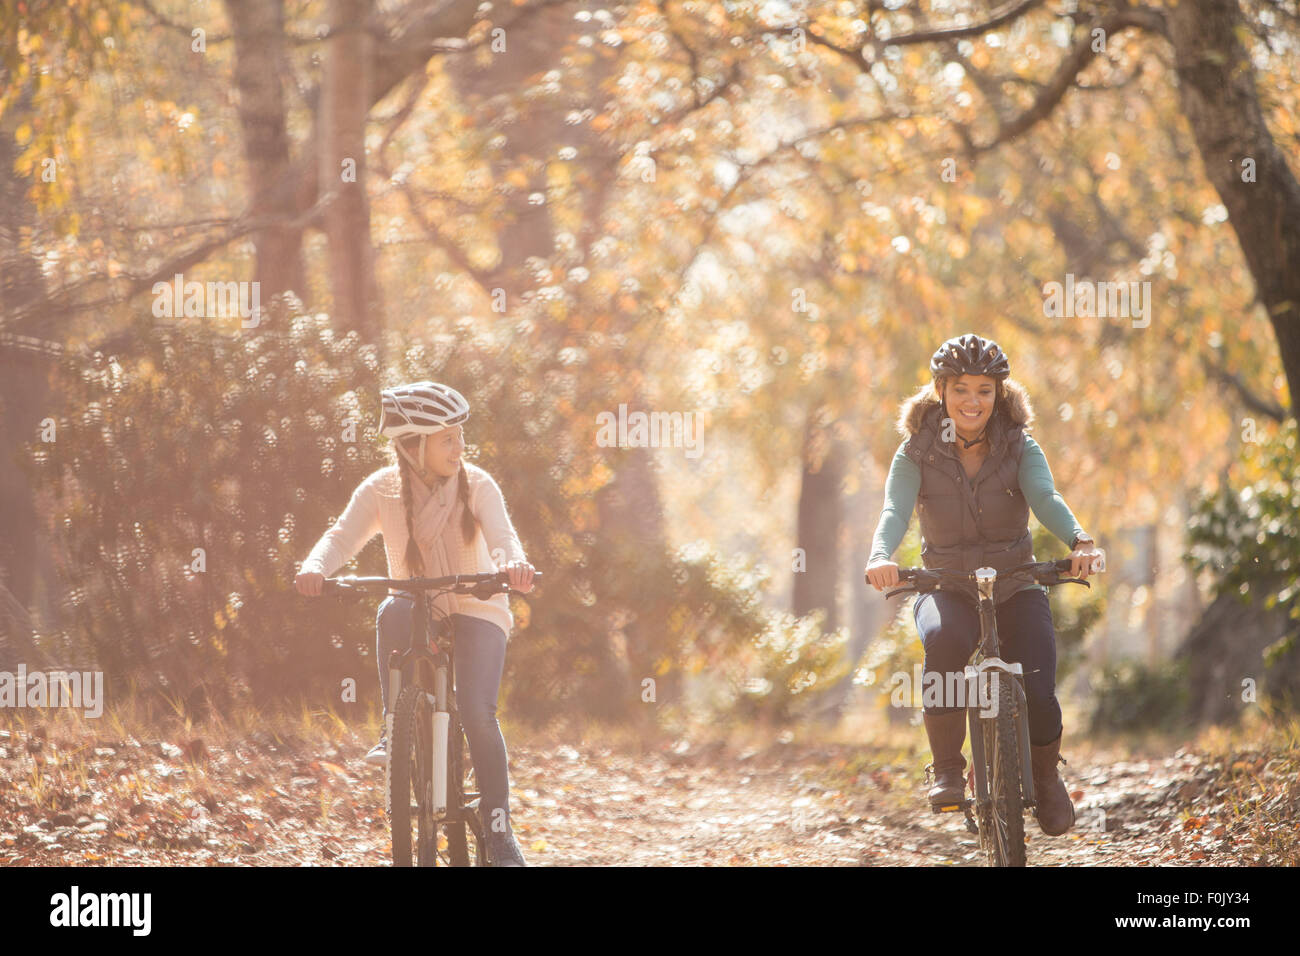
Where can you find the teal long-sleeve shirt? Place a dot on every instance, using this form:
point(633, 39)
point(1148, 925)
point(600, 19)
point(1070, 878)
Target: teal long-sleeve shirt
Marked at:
point(904, 484)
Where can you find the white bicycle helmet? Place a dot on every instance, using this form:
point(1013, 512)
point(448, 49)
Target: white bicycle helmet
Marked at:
point(421, 408)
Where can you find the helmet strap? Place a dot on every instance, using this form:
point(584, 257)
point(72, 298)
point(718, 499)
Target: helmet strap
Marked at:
point(415, 461)
point(984, 434)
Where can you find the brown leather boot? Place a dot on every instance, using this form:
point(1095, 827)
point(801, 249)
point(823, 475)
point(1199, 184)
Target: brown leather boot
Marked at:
point(947, 732)
point(1055, 811)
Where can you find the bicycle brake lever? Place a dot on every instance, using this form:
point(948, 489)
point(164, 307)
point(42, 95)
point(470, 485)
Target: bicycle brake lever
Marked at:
point(902, 590)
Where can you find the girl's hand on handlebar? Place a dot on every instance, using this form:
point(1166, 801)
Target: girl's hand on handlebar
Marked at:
point(309, 583)
point(882, 574)
point(520, 574)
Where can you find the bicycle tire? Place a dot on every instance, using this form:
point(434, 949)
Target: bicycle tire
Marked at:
point(455, 826)
point(410, 781)
point(1002, 824)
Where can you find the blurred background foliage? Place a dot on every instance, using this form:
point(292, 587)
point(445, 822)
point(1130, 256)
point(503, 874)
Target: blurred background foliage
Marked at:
point(1249, 530)
point(183, 511)
point(767, 214)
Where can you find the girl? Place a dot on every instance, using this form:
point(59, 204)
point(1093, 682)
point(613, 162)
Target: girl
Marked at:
point(973, 475)
point(439, 515)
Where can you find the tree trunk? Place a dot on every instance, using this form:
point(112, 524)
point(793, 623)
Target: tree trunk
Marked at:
point(344, 106)
point(819, 522)
point(632, 532)
point(1216, 83)
point(259, 67)
point(535, 131)
point(868, 611)
point(25, 552)
point(1228, 655)
point(631, 516)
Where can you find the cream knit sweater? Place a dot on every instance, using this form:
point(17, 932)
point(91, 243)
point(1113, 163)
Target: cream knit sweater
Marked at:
point(376, 507)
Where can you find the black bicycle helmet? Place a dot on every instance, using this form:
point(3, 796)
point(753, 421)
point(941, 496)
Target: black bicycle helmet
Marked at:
point(970, 354)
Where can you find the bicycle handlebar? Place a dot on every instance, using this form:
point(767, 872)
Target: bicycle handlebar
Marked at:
point(925, 580)
point(481, 586)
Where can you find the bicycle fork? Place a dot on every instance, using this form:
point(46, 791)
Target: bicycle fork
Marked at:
point(977, 722)
point(441, 729)
point(437, 798)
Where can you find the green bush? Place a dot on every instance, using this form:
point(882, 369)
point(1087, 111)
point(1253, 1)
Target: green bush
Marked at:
point(1249, 536)
point(1133, 696)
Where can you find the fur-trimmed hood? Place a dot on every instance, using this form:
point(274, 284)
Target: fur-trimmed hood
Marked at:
point(912, 412)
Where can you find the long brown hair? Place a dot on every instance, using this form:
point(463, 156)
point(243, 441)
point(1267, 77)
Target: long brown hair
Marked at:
point(468, 524)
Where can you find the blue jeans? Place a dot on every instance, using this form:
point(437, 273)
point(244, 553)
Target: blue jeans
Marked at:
point(949, 627)
point(479, 660)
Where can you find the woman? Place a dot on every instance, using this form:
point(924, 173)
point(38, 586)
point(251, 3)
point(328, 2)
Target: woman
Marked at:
point(439, 515)
point(973, 474)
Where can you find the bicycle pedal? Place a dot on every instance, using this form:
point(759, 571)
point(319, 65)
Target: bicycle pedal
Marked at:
point(949, 807)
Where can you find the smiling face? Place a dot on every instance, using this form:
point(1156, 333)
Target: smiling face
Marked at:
point(442, 451)
point(970, 400)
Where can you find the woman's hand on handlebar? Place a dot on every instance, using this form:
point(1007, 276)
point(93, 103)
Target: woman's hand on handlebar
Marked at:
point(882, 575)
point(520, 574)
point(309, 583)
point(1081, 559)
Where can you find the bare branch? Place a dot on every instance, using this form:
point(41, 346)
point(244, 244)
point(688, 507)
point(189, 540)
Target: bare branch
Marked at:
point(1248, 398)
point(1049, 95)
point(1012, 11)
point(435, 235)
point(322, 34)
point(62, 300)
point(1063, 79)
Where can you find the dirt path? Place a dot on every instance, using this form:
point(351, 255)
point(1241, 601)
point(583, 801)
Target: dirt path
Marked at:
point(813, 807)
point(263, 802)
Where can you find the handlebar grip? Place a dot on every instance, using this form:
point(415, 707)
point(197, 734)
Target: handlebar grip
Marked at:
point(1097, 566)
point(332, 588)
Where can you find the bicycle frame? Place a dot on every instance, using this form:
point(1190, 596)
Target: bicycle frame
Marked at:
point(432, 665)
point(986, 657)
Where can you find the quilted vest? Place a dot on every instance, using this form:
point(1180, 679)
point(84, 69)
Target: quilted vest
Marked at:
point(971, 523)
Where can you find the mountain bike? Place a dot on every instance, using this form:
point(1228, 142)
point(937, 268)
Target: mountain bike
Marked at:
point(1001, 775)
point(428, 782)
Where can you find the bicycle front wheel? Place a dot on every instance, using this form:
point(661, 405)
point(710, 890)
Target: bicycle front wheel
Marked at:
point(410, 781)
point(1002, 827)
point(464, 831)
point(457, 841)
